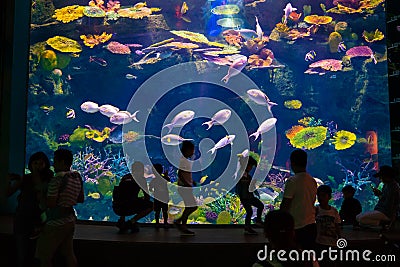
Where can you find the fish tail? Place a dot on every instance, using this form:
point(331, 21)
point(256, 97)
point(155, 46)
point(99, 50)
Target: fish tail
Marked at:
point(169, 126)
point(212, 150)
point(134, 116)
point(256, 134)
point(209, 124)
point(225, 79)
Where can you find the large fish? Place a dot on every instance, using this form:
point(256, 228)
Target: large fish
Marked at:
point(90, 107)
point(223, 142)
point(219, 118)
point(108, 110)
point(235, 68)
point(260, 98)
point(123, 117)
point(180, 119)
point(173, 139)
point(264, 127)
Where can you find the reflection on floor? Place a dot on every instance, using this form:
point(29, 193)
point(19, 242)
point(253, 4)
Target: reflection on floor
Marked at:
point(101, 245)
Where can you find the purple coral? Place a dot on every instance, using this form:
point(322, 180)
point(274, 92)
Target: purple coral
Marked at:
point(211, 215)
point(63, 138)
point(361, 51)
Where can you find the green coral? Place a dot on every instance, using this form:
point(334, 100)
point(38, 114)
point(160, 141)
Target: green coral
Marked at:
point(78, 137)
point(42, 11)
point(224, 218)
point(310, 137)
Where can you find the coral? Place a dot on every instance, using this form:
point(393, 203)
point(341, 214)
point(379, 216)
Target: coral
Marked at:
point(309, 138)
point(69, 13)
point(133, 13)
point(63, 60)
point(50, 139)
point(276, 181)
point(370, 37)
point(281, 27)
point(309, 121)
point(295, 34)
point(234, 39)
point(130, 136)
point(192, 36)
point(293, 131)
point(181, 45)
point(225, 10)
point(334, 40)
point(318, 20)
point(324, 65)
point(98, 136)
point(293, 104)
point(117, 48)
point(94, 12)
point(344, 139)
point(255, 45)
point(64, 44)
point(92, 40)
point(78, 137)
point(361, 51)
point(342, 27)
point(42, 11)
point(360, 176)
point(224, 218)
point(48, 60)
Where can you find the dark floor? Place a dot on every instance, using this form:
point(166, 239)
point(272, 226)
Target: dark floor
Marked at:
point(100, 245)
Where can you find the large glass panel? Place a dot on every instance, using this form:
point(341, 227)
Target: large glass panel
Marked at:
point(106, 77)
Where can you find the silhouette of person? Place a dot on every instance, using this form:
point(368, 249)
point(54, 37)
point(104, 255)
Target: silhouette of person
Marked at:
point(185, 183)
point(131, 203)
point(65, 190)
point(299, 198)
point(161, 195)
point(31, 205)
point(248, 199)
point(350, 207)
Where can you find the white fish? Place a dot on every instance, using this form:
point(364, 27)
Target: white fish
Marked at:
point(319, 181)
point(123, 117)
point(219, 118)
point(235, 68)
point(260, 98)
point(244, 154)
point(288, 9)
point(259, 30)
point(108, 110)
point(223, 142)
point(264, 127)
point(173, 139)
point(130, 76)
point(90, 107)
point(180, 119)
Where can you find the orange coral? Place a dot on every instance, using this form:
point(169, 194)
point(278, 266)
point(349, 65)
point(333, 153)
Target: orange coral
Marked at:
point(92, 40)
point(232, 39)
point(293, 131)
point(318, 20)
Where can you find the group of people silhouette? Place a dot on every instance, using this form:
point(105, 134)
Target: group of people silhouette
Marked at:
point(44, 223)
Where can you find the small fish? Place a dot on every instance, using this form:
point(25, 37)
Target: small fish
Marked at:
point(310, 55)
point(267, 125)
point(174, 211)
point(244, 154)
point(139, 52)
point(186, 19)
point(288, 9)
point(341, 47)
point(259, 31)
point(69, 77)
point(180, 119)
point(134, 45)
point(184, 8)
point(70, 113)
point(47, 109)
point(223, 142)
point(98, 60)
point(94, 195)
point(219, 118)
point(333, 76)
point(130, 76)
point(90, 107)
point(76, 67)
point(140, 5)
point(173, 139)
point(203, 179)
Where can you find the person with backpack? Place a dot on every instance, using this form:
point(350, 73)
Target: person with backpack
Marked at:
point(64, 191)
point(126, 199)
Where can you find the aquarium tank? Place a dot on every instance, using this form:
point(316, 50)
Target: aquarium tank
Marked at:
point(123, 81)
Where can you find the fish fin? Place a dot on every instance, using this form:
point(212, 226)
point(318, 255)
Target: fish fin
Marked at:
point(225, 79)
point(209, 124)
point(169, 126)
point(133, 116)
point(212, 150)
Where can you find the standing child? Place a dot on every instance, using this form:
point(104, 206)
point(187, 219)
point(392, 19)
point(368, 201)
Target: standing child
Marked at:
point(328, 221)
point(161, 195)
point(351, 207)
point(248, 198)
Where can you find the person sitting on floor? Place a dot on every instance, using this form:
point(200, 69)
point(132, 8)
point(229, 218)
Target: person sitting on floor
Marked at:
point(351, 206)
point(389, 199)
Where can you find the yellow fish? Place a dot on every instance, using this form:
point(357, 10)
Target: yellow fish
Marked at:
point(184, 8)
point(140, 5)
point(94, 195)
point(203, 179)
point(47, 109)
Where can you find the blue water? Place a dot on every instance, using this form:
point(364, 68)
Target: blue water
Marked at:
point(353, 100)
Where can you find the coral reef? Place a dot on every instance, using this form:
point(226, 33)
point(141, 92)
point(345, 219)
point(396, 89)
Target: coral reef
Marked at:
point(293, 104)
point(93, 40)
point(64, 44)
point(42, 11)
point(117, 48)
point(344, 140)
point(309, 138)
point(69, 13)
point(334, 40)
point(373, 36)
point(318, 20)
